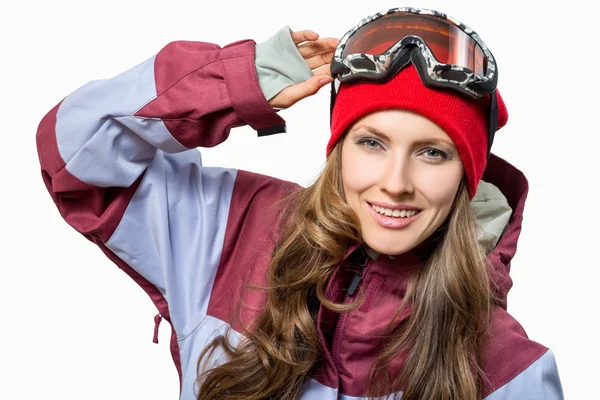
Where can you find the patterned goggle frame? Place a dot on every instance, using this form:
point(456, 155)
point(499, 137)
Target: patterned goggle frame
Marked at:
point(360, 66)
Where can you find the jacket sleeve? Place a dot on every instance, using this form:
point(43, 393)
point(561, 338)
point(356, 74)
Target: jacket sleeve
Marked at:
point(515, 367)
point(539, 381)
point(119, 159)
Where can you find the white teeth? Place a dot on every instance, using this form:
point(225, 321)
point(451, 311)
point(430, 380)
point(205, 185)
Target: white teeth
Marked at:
point(394, 213)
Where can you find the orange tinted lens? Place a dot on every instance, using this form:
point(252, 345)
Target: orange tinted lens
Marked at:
point(447, 42)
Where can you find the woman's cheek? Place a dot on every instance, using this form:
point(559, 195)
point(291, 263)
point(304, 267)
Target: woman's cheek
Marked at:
point(361, 171)
point(439, 184)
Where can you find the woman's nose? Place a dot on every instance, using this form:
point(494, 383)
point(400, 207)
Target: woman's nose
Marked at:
point(396, 178)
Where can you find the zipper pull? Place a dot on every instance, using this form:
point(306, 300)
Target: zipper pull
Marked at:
point(355, 281)
point(157, 319)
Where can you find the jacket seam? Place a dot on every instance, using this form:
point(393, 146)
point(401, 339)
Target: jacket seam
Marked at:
point(522, 367)
point(194, 329)
point(239, 117)
point(197, 69)
point(210, 293)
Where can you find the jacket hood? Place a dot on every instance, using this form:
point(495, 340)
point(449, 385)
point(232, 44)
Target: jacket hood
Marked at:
point(499, 204)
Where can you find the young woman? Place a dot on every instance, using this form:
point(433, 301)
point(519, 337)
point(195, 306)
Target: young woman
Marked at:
point(386, 277)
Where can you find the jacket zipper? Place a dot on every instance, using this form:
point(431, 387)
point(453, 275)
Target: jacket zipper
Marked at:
point(355, 281)
point(342, 319)
point(361, 263)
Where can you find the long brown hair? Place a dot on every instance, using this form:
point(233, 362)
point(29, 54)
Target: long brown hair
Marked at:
point(450, 298)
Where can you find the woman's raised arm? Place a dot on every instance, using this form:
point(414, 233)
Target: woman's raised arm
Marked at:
point(118, 158)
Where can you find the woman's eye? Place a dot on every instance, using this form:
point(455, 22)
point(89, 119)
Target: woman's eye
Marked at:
point(369, 143)
point(435, 154)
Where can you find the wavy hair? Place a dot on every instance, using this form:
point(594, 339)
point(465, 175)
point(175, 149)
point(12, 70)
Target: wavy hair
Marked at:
point(450, 298)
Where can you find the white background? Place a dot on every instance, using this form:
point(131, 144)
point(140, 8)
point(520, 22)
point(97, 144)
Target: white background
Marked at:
point(73, 326)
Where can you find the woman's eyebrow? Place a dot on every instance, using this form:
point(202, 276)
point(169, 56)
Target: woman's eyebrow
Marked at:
point(421, 142)
point(425, 142)
point(374, 131)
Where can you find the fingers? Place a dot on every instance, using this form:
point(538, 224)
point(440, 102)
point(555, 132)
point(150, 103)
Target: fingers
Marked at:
point(308, 87)
point(319, 60)
point(318, 53)
point(303, 36)
point(295, 93)
point(324, 71)
point(312, 48)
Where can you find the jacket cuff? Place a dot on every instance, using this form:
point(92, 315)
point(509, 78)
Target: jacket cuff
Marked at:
point(279, 63)
point(244, 90)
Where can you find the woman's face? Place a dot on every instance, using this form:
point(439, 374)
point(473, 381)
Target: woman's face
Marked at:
point(395, 161)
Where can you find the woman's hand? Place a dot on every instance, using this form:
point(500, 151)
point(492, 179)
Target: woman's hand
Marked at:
point(318, 54)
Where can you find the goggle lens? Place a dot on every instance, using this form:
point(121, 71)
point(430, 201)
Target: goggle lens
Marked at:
point(448, 43)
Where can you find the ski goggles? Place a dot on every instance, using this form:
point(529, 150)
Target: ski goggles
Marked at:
point(445, 52)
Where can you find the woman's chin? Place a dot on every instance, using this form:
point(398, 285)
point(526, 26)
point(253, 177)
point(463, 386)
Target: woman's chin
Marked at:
point(384, 246)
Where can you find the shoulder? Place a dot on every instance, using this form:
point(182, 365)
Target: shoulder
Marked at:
point(252, 230)
point(256, 188)
point(516, 367)
point(256, 204)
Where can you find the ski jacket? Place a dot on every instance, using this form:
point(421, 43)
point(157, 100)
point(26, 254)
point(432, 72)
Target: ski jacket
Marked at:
point(119, 158)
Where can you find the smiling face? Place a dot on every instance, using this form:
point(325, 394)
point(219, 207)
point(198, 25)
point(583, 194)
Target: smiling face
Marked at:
point(394, 161)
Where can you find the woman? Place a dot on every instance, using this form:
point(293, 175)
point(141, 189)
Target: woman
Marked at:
point(387, 276)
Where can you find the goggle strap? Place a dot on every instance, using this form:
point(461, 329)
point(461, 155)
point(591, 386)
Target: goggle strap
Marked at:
point(331, 102)
point(493, 121)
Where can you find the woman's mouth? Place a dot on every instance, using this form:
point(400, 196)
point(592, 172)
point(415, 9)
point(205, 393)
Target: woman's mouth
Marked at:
point(392, 217)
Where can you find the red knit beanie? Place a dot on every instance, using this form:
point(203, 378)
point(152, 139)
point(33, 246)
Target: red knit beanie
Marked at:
point(464, 119)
